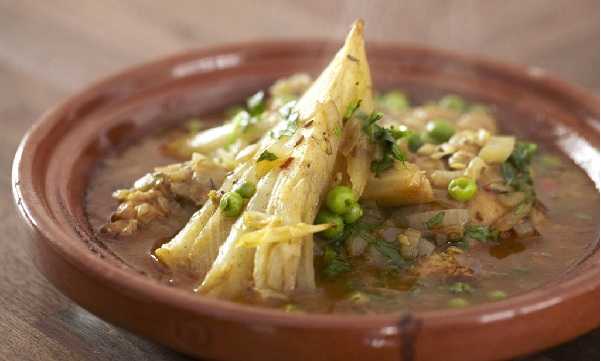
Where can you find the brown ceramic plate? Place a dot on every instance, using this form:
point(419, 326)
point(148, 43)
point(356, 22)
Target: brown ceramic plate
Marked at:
point(54, 161)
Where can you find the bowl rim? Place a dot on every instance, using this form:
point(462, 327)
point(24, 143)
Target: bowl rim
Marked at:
point(28, 203)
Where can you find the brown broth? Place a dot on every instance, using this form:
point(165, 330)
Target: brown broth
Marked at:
point(512, 266)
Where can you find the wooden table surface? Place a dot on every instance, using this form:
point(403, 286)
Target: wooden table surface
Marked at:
point(49, 49)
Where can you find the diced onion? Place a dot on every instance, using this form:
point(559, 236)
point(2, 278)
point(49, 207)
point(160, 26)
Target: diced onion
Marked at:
point(453, 218)
point(442, 178)
point(497, 149)
point(475, 168)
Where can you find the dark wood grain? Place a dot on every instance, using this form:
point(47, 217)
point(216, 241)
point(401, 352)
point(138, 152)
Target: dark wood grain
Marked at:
point(49, 49)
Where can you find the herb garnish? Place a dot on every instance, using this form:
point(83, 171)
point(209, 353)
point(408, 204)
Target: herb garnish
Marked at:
point(335, 262)
point(267, 155)
point(481, 233)
point(387, 249)
point(516, 170)
point(385, 138)
point(460, 288)
point(522, 155)
point(435, 221)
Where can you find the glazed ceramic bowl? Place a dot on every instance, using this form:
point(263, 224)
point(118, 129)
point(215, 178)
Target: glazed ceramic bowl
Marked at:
point(55, 159)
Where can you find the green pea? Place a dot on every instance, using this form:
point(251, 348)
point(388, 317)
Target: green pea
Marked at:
point(194, 125)
point(414, 141)
point(478, 108)
point(256, 103)
point(353, 214)
point(395, 101)
point(340, 199)
point(233, 111)
point(458, 302)
point(439, 130)
point(462, 189)
point(246, 190)
point(497, 295)
point(231, 204)
point(452, 101)
point(327, 217)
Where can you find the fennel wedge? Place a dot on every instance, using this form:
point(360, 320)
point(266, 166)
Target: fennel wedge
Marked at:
point(299, 183)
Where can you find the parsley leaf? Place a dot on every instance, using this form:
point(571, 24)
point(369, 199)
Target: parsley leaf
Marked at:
point(516, 170)
point(522, 155)
point(435, 221)
point(460, 287)
point(267, 155)
point(385, 139)
point(335, 263)
point(481, 233)
point(389, 251)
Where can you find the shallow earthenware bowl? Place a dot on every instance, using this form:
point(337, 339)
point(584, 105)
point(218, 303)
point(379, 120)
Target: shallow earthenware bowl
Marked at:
point(54, 161)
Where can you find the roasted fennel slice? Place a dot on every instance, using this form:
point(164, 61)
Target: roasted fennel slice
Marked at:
point(280, 267)
point(195, 247)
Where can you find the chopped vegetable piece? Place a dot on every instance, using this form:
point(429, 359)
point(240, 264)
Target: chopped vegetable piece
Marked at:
point(497, 295)
point(385, 139)
point(460, 287)
point(327, 217)
point(359, 297)
point(435, 221)
point(389, 251)
point(481, 233)
point(462, 189)
point(194, 125)
point(439, 130)
point(256, 103)
point(354, 213)
point(335, 264)
point(453, 101)
point(231, 204)
point(340, 199)
point(497, 149)
point(291, 307)
point(267, 155)
point(246, 190)
point(395, 101)
point(458, 302)
point(522, 155)
point(414, 141)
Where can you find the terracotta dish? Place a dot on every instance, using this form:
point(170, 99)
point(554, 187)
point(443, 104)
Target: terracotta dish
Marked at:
point(54, 161)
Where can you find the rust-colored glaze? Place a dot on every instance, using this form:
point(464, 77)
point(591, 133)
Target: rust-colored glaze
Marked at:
point(55, 158)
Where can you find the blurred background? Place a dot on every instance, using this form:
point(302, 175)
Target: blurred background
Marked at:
point(52, 48)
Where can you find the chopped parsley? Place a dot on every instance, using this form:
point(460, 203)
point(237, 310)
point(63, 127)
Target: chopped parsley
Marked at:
point(522, 155)
point(481, 233)
point(385, 139)
point(335, 263)
point(267, 155)
point(435, 221)
point(460, 288)
point(516, 170)
point(389, 251)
